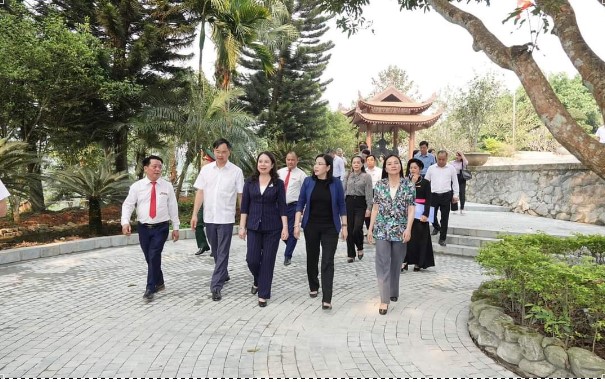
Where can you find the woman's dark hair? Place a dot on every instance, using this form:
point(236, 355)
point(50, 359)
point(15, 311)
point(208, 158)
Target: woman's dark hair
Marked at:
point(272, 172)
point(329, 162)
point(413, 160)
point(384, 166)
point(363, 169)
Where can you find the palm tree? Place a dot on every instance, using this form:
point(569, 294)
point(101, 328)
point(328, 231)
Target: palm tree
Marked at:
point(15, 157)
point(205, 116)
point(97, 183)
point(248, 24)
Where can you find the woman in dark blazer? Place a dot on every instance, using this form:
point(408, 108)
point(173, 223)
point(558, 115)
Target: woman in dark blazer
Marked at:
point(263, 220)
point(323, 202)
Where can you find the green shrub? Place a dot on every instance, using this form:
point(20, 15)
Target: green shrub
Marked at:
point(558, 283)
point(497, 148)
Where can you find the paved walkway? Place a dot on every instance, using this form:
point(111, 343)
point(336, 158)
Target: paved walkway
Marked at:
point(82, 315)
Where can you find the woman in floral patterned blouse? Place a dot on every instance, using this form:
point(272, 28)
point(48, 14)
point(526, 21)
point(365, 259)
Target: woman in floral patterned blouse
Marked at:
point(393, 208)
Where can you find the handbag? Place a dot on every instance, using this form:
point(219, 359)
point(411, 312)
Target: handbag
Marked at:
point(466, 174)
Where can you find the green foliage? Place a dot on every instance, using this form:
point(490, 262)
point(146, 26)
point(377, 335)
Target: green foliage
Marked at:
point(14, 160)
point(497, 148)
point(98, 183)
point(339, 133)
point(288, 103)
point(558, 283)
point(394, 76)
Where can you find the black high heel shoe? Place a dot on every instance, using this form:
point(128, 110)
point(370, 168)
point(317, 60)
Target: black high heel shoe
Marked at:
point(360, 254)
point(313, 294)
point(254, 289)
point(326, 306)
point(405, 267)
point(262, 304)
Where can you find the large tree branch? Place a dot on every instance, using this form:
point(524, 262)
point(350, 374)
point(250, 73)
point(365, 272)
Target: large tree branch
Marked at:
point(590, 66)
point(549, 108)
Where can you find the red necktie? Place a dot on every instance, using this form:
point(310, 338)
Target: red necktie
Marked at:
point(152, 205)
point(287, 179)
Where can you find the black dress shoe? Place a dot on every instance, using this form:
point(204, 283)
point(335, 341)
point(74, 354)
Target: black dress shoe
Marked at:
point(216, 295)
point(435, 231)
point(199, 252)
point(350, 259)
point(148, 294)
point(405, 267)
point(383, 311)
point(228, 278)
point(394, 298)
point(326, 306)
point(442, 243)
point(262, 304)
point(287, 261)
point(254, 289)
point(313, 294)
point(160, 287)
point(416, 269)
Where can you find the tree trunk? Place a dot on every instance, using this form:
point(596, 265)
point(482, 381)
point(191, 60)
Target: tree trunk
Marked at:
point(121, 148)
point(95, 221)
point(201, 46)
point(549, 108)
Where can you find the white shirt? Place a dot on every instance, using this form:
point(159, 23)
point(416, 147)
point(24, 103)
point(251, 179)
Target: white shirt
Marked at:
point(601, 134)
point(3, 191)
point(443, 179)
point(339, 168)
point(375, 173)
point(297, 177)
point(220, 186)
point(139, 195)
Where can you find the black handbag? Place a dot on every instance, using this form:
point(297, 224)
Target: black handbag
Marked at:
point(466, 174)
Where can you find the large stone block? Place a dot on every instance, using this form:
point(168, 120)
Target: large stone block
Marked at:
point(585, 364)
point(531, 345)
point(513, 332)
point(495, 320)
point(540, 369)
point(510, 352)
point(477, 306)
point(557, 356)
point(485, 338)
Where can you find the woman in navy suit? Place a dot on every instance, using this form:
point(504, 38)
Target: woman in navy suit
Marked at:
point(263, 220)
point(323, 202)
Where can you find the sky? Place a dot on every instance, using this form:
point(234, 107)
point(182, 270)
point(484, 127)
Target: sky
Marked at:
point(435, 53)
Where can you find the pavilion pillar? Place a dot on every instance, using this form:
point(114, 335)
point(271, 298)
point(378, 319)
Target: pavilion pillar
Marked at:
point(412, 143)
point(395, 138)
point(369, 136)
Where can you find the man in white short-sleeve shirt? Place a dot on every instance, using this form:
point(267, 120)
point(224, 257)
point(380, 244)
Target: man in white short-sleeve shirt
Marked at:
point(219, 186)
point(4, 194)
point(293, 178)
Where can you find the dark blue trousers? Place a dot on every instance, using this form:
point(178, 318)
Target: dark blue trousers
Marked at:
point(219, 236)
point(291, 242)
point(152, 242)
point(262, 250)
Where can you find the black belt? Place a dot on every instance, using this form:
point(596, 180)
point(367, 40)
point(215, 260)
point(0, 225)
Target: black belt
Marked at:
point(355, 196)
point(292, 204)
point(155, 225)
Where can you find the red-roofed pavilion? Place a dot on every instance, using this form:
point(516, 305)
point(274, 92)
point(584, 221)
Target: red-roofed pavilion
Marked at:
point(392, 111)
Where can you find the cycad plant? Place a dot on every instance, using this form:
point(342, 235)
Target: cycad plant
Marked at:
point(98, 183)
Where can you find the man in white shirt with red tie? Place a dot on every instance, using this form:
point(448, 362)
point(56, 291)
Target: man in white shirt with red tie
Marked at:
point(444, 191)
point(156, 205)
point(293, 178)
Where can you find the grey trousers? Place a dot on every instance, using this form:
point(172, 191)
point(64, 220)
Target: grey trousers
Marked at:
point(219, 236)
point(389, 256)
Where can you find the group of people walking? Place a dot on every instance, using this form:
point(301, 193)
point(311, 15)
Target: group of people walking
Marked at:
point(277, 205)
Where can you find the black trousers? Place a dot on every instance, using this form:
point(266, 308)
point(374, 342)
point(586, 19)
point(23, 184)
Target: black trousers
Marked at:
point(442, 202)
point(462, 185)
point(356, 211)
point(323, 235)
point(152, 240)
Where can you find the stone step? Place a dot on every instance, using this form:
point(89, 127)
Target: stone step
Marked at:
point(456, 250)
point(470, 241)
point(482, 233)
point(484, 207)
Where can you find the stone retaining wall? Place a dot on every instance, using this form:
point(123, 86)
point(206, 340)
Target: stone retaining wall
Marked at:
point(565, 191)
point(530, 353)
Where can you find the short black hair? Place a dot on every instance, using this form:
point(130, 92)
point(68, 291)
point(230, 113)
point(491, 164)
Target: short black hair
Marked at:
point(147, 161)
point(423, 143)
point(329, 162)
point(365, 152)
point(221, 141)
